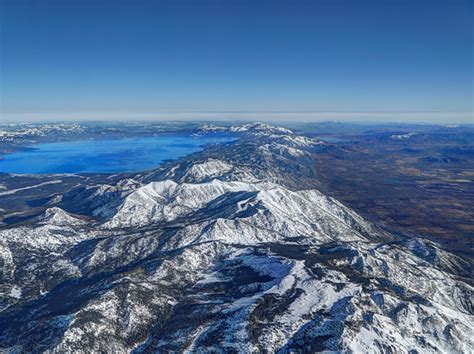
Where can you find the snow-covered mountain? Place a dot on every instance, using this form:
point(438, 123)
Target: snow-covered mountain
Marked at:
point(214, 252)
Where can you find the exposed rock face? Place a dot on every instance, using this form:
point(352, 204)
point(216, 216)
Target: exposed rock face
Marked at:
point(214, 254)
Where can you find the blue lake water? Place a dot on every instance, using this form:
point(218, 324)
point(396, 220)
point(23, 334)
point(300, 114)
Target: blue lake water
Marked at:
point(106, 155)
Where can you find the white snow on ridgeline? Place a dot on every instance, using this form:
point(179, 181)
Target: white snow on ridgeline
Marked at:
point(402, 136)
point(261, 128)
point(281, 149)
point(54, 229)
point(274, 214)
point(284, 136)
point(300, 140)
point(211, 168)
point(212, 128)
point(207, 170)
point(103, 199)
point(167, 200)
point(243, 213)
point(257, 128)
point(58, 217)
point(40, 130)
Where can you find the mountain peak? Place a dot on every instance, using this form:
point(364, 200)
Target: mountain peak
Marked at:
point(220, 252)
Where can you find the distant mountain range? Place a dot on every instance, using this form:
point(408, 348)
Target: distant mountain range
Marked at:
point(228, 249)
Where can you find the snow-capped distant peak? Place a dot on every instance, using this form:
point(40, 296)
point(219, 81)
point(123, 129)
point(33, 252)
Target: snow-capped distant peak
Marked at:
point(261, 128)
point(58, 217)
point(167, 200)
point(210, 168)
point(402, 136)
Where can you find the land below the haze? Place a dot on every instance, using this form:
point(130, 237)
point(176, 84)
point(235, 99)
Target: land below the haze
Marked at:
point(241, 246)
point(416, 180)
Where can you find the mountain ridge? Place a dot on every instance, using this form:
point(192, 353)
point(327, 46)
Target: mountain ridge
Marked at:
point(175, 261)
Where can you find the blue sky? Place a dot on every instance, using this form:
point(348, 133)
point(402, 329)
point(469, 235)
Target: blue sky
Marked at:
point(384, 59)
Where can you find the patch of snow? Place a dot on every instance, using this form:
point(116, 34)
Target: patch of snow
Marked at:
point(15, 292)
point(402, 136)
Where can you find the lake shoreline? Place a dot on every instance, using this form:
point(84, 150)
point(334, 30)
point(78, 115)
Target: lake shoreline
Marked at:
point(108, 155)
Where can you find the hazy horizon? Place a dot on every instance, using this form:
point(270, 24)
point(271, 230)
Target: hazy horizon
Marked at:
point(264, 116)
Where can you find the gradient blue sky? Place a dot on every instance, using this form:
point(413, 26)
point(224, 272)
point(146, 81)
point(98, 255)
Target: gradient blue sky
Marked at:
point(74, 59)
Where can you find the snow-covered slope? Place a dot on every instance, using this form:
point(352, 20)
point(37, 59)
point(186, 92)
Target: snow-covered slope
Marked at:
point(207, 261)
